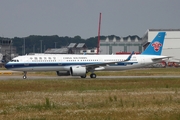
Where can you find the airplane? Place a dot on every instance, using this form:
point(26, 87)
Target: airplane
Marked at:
point(80, 65)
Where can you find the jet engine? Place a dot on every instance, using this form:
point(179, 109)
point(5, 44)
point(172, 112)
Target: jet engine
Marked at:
point(78, 71)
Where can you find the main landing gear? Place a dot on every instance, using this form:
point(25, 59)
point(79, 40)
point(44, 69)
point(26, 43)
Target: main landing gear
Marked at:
point(84, 76)
point(92, 75)
point(24, 76)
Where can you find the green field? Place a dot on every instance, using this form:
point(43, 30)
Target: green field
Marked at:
point(93, 99)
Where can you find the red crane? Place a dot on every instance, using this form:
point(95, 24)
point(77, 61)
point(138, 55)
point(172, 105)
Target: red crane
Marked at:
point(99, 34)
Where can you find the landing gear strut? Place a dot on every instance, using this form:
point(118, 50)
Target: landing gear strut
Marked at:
point(24, 76)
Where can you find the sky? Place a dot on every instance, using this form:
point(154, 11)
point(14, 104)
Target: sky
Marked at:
point(22, 18)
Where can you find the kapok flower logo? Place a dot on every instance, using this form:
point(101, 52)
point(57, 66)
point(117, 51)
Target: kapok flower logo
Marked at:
point(156, 46)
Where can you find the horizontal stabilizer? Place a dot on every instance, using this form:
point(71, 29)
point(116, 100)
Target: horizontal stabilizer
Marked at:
point(160, 58)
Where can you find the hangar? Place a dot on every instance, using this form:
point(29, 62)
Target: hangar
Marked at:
point(171, 43)
point(134, 43)
point(124, 45)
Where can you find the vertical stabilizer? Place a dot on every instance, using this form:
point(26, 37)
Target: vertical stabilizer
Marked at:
point(155, 47)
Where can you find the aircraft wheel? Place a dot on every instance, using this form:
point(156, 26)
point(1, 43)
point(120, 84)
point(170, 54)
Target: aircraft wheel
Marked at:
point(24, 77)
point(83, 76)
point(93, 75)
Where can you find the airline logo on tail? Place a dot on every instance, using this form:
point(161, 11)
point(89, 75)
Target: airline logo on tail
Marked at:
point(156, 46)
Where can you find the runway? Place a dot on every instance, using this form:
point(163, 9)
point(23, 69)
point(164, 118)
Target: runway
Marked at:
point(9, 75)
point(19, 77)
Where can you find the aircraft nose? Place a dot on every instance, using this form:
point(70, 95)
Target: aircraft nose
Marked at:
point(6, 66)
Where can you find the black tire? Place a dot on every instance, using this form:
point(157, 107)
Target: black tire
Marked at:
point(24, 77)
point(83, 76)
point(93, 75)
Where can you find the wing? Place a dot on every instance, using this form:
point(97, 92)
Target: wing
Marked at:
point(97, 65)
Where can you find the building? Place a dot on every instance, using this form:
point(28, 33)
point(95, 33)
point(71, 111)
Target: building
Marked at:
point(89, 51)
point(171, 43)
point(64, 50)
point(123, 44)
point(7, 49)
point(73, 48)
point(77, 47)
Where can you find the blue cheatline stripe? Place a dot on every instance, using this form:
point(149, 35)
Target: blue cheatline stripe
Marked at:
point(20, 65)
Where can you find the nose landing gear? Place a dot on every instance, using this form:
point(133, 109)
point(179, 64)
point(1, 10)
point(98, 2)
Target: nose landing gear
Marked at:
point(24, 76)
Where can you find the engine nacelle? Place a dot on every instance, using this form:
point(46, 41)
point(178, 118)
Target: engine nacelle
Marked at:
point(63, 73)
point(78, 71)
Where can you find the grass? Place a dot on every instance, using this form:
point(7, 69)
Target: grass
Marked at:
point(87, 99)
point(87, 84)
point(143, 72)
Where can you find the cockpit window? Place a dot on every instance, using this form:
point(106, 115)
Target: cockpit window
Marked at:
point(14, 60)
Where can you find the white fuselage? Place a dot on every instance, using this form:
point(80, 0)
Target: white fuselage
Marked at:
point(58, 62)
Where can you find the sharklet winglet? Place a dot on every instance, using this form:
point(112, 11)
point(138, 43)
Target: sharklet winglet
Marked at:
point(129, 57)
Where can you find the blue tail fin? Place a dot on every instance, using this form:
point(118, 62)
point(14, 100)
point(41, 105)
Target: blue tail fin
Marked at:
point(155, 47)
